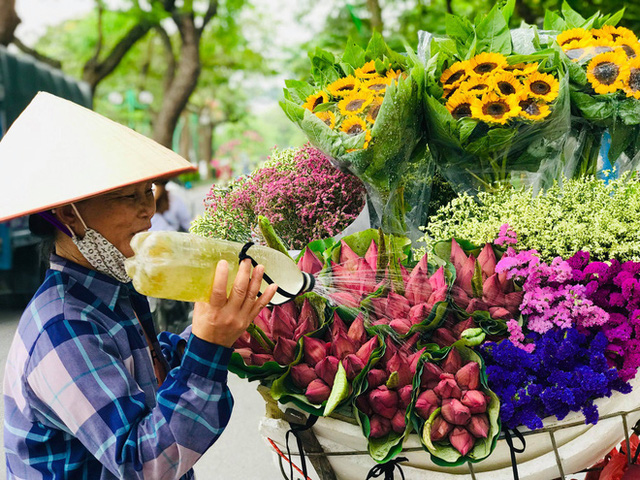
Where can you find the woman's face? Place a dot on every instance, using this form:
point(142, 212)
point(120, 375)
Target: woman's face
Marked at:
point(120, 214)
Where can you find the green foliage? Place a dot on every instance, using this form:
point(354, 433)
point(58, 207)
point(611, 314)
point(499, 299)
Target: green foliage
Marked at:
point(583, 213)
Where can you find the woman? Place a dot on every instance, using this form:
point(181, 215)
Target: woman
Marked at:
point(88, 392)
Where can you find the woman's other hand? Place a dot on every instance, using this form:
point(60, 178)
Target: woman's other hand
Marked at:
point(222, 320)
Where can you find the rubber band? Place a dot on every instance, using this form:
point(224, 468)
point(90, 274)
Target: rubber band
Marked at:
point(283, 456)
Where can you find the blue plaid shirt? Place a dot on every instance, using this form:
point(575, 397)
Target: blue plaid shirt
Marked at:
point(80, 392)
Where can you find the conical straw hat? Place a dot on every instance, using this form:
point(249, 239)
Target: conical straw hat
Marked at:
point(57, 152)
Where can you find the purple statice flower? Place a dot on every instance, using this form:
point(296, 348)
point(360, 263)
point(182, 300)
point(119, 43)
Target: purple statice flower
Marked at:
point(506, 236)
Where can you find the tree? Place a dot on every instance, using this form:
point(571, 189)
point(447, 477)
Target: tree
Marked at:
point(9, 20)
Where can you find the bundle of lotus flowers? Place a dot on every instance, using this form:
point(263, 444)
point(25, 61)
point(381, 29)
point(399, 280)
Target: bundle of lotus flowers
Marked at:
point(488, 88)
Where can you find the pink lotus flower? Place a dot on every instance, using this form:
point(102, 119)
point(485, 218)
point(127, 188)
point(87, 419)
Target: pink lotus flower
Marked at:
point(399, 364)
point(397, 306)
point(326, 369)
point(379, 307)
point(363, 405)
point(453, 362)
point(356, 331)
point(479, 425)
point(448, 388)
point(414, 358)
point(317, 391)
point(464, 276)
point(338, 325)
point(426, 403)
point(310, 263)
point(380, 426)
point(468, 377)
point(245, 353)
point(487, 261)
point(404, 396)
point(383, 401)
point(365, 351)
point(455, 412)
point(345, 298)
point(458, 257)
point(419, 312)
point(347, 255)
point(284, 351)
point(259, 359)
point(499, 312)
point(401, 325)
point(314, 350)
point(284, 324)
point(307, 320)
point(353, 366)
point(302, 375)
point(418, 289)
point(341, 346)
point(376, 377)
point(440, 429)
point(461, 440)
point(263, 321)
point(398, 423)
point(460, 327)
point(475, 401)
point(372, 256)
point(430, 375)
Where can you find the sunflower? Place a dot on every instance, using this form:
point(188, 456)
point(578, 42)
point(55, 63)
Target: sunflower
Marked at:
point(455, 75)
point(355, 103)
point(522, 69)
point(353, 126)
point(614, 33)
point(476, 86)
point(572, 35)
point(459, 105)
point(376, 85)
point(447, 92)
point(487, 62)
point(492, 108)
point(393, 74)
point(631, 86)
point(630, 47)
point(608, 71)
point(542, 85)
point(532, 109)
point(507, 84)
point(327, 117)
point(374, 109)
point(344, 86)
point(368, 70)
point(316, 99)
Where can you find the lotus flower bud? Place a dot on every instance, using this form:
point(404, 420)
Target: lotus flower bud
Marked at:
point(418, 313)
point(389, 351)
point(465, 275)
point(440, 429)
point(314, 350)
point(317, 391)
point(380, 426)
point(492, 292)
point(306, 326)
point(363, 405)
point(398, 423)
point(345, 298)
point(458, 257)
point(426, 403)
point(243, 341)
point(443, 337)
point(479, 425)
point(256, 347)
point(365, 351)
point(327, 368)
point(245, 353)
point(414, 358)
point(455, 412)
point(437, 281)
point(476, 304)
point(309, 262)
point(418, 287)
point(384, 401)
point(347, 254)
point(430, 375)
point(461, 440)
point(352, 366)
point(397, 306)
point(307, 321)
point(512, 302)
point(264, 322)
point(487, 261)
point(302, 375)
point(468, 377)
point(453, 362)
point(372, 255)
point(404, 396)
point(341, 345)
point(284, 351)
point(475, 401)
point(399, 364)
point(400, 325)
point(379, 307)
point(499, 312)
point(260, 359)
point(356, 332)
point(366, 277)
point(448, 388)
point(376, 377)
point(460, 327)
point(460, 297)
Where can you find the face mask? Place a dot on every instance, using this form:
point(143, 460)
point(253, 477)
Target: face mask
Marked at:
point(100, 252)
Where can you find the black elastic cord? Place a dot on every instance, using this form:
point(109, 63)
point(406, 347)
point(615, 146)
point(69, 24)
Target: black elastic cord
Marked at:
point(387, 469)
point(244, 255)
point(296, 428)
point(513, 450)
point(636, 430)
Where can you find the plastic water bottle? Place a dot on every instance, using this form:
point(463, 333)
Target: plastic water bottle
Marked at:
point(181, 266)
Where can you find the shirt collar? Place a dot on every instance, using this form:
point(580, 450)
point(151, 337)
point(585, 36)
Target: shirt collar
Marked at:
point(106, 288)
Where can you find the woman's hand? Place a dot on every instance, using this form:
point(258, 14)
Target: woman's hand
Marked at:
point(222, 320)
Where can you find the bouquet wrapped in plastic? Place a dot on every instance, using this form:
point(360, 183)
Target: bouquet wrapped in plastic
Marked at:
point(364, 110)
point(494, 118)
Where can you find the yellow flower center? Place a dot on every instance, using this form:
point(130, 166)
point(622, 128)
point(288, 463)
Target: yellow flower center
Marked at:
point(454, 78)
point(355, 105)
point(606, 72)
point(634, 79)
point(540, 87)
point(506, 88)
point(462, 110)
point(495, 109)
point(485, 67)
point(355, 129)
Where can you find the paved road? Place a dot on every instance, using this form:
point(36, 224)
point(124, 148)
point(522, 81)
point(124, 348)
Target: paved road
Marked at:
point(239, 454)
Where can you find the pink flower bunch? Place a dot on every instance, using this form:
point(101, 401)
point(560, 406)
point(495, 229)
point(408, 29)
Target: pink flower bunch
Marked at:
point(389, 391)
point(275, 334)
point(454, 387)
point(350, 346)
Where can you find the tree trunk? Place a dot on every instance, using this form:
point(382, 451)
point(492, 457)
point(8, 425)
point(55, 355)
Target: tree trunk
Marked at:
point(184, 83)
point(376, 15)
point(206, 145)
point(9, 20)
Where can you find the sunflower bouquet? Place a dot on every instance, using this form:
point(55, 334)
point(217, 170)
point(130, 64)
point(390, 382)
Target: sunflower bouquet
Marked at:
point(494, 118)
point(605, 85)
point(364, 111)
